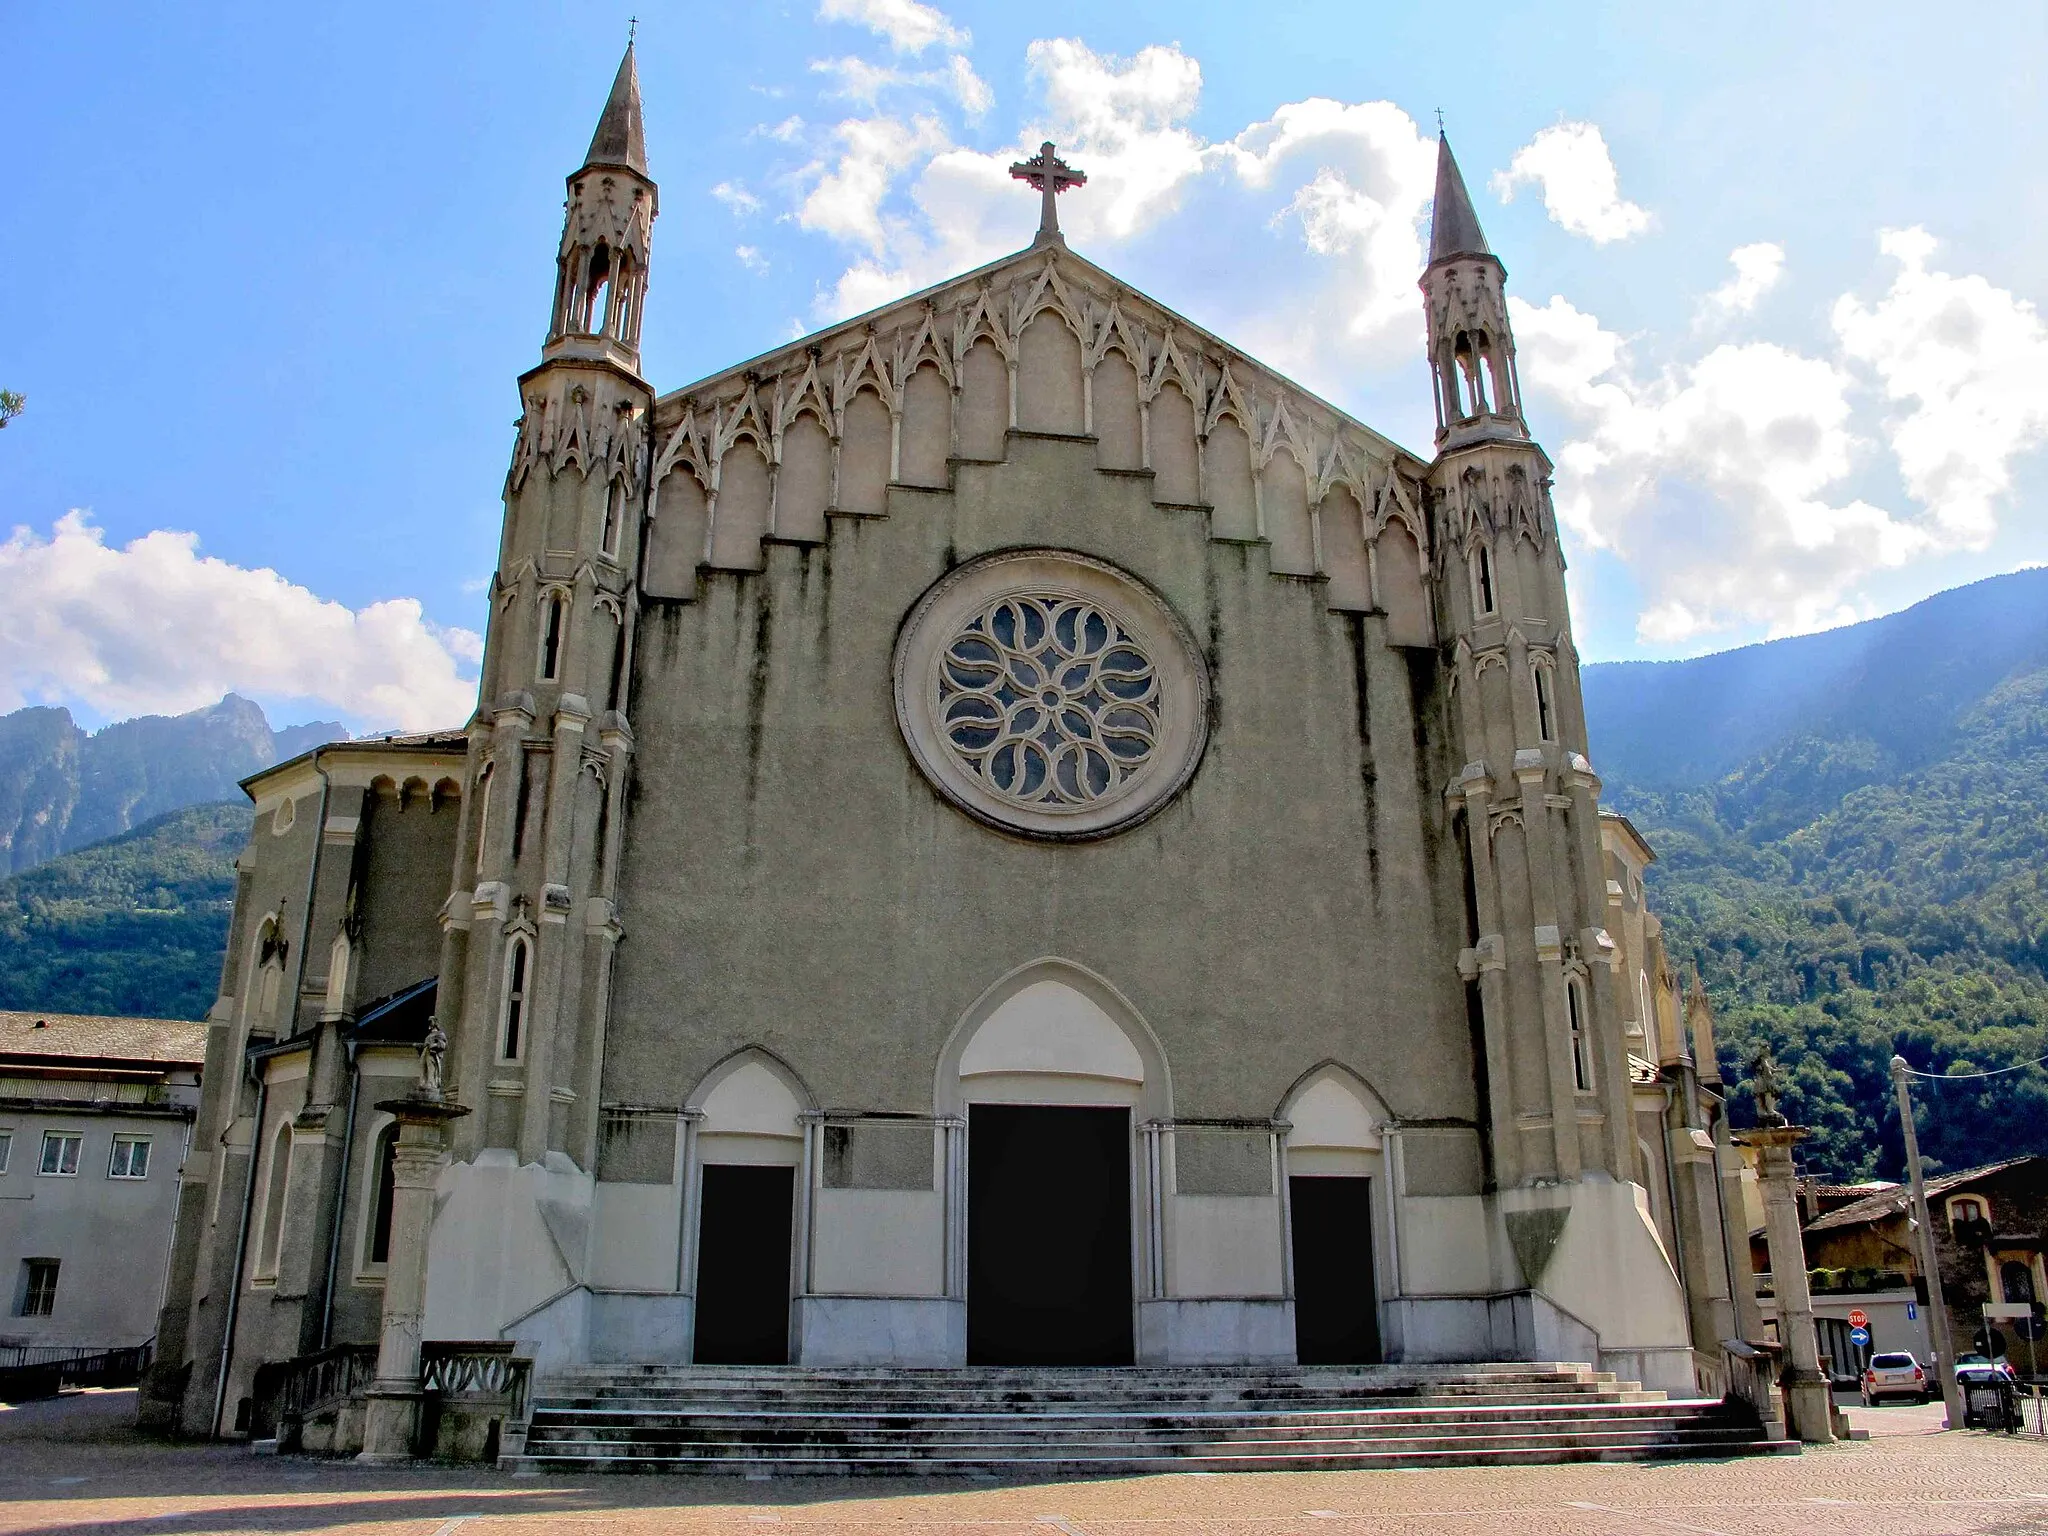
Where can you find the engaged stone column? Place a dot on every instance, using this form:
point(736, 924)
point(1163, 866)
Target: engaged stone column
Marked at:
point(391, 1425)
point(1809, 1399)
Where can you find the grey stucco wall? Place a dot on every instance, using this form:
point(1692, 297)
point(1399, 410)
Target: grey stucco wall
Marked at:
point(791, 880)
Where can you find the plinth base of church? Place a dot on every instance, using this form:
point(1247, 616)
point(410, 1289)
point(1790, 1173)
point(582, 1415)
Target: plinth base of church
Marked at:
point(1054, 1422)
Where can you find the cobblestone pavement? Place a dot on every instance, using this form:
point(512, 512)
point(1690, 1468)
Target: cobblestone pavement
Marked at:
point(73, 1466)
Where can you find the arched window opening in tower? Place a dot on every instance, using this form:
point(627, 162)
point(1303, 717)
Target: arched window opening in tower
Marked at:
point(513, 1014)
point(1482, 578)
point(1582, 1047)
point(1468, 350)
point(380, 1212)
point(554, 619)
point(597, 285)
point(1545, 725)
point(483, 814)
point(1500, 376)
point(614, 517)
point(274, 1201)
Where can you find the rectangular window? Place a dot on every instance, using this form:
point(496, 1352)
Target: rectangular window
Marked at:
point(6, 1148)
point(60, 1154)
point(38, 1288)
point(130, 1159)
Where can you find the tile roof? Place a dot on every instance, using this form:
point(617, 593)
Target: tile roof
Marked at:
point(1892, 1200)
point(85, 1036)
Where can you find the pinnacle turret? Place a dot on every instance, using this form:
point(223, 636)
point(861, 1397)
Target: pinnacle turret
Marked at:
point(620, 139)
point(1453, 226)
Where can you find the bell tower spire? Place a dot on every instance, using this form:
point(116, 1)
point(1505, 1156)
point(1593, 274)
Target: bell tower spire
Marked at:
point(1471, 349)
point(531, 925)
point(601, 276)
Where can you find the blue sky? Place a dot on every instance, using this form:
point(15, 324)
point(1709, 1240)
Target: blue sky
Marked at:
point(275, 270)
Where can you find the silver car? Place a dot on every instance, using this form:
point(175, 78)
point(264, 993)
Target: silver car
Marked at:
point(1894, 1374)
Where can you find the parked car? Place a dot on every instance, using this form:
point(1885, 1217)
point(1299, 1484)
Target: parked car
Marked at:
point(1894, 1374)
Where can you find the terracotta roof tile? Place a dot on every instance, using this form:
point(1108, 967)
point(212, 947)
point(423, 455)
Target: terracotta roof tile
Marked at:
point(1890, 1201)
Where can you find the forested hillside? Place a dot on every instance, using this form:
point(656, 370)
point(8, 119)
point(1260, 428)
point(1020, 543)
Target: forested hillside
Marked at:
point(1872, 876)
point(134, 925)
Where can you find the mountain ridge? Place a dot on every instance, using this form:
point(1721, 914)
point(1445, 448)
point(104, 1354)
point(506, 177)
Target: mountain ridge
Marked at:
point(64, 788)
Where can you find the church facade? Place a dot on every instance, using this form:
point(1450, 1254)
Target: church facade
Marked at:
point(1001, 831)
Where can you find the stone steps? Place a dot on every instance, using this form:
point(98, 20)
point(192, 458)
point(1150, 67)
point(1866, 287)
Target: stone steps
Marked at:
point(1038, 1423)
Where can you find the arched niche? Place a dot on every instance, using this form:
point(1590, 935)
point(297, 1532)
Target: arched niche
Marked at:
point(750, 1108)
point(803, 487)
point(1053, 1032)
point(675, 544)
point(741, 520)
point(1337, 1123)
point(864, 456)
point(1115, 399)
point(1397, 572)
point(1344, 556)
point(1049, 376)
point(1176, 454)
point(984, 402)
point(1228, 476)
point(927, 429)
point(1283, 490)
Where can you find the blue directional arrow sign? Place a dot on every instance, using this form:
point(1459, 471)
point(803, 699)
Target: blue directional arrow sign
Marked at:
point(1859, 1336)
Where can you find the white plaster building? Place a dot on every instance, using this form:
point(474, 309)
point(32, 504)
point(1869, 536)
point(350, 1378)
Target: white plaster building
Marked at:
point(1000, 831)
point(95, 1117)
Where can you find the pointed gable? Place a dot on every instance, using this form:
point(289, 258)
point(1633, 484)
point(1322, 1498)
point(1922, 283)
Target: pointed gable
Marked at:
point(1020, 345)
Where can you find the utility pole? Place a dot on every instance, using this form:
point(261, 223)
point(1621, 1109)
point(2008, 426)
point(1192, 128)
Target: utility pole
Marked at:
point(1930, 1263)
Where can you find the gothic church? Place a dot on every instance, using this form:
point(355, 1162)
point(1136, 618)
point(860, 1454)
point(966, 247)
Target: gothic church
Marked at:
point(1002, 831)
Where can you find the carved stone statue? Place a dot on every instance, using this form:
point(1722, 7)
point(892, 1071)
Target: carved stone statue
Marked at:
point(432, 1050)
point(1766, 1083)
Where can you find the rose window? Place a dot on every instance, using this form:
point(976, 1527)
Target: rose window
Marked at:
point(1050, 694)
point(1049, 700)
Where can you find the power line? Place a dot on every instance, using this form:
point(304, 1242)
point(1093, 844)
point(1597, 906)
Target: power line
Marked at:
point(1952, 1077)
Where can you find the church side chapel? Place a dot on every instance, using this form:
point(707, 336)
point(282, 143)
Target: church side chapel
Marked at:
point(1003, 832)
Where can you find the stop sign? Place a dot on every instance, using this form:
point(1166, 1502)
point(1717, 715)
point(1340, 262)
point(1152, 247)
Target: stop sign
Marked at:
point(1858, 1318)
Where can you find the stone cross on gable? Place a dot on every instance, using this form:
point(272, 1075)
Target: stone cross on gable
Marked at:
point(1052, 176)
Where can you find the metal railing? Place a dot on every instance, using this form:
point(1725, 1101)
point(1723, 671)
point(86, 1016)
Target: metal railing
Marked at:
point(41, 1370)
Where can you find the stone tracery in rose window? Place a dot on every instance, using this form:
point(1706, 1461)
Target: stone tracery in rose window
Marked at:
point(1049, 701)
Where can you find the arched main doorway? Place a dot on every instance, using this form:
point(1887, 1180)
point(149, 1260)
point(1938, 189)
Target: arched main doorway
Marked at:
point(1050, 1069)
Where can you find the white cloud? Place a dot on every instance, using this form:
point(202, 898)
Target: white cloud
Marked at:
point(1968, 361)
point(861, 80)
point(1717, 481)
point(1341, 185)
point(751, 258)
point(845, 201)
point(737, 198)
point(1581, 189)
point(1758, 268)
point(156, 627)
point(908, 26)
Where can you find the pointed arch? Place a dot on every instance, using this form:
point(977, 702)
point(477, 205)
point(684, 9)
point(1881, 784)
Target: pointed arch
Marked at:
point(1336, 1120)
point(1053, 1031)
point(750, 1107)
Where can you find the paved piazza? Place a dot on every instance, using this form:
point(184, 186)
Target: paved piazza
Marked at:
point(73, 1466)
